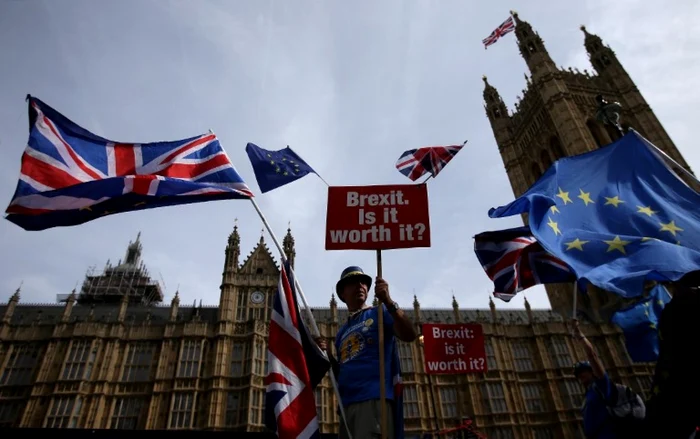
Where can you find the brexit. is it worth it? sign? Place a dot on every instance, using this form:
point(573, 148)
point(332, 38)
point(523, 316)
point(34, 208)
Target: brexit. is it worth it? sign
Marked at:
point(454, 348)
point(380, 217)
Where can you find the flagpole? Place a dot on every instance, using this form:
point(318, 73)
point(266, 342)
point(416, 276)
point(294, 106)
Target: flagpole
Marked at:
point(382, 360)
point(297, 286)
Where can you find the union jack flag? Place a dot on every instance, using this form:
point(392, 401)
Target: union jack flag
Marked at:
point(515, 261)
point(504, 28)
point(415, 163)
point(70, 176)
point(295, 367)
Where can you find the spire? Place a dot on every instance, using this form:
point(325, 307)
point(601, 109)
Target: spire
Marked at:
point(133, 252)
point(495, 107)
point(532, 47)
point(601, 56)
point(288, 245)
point(416, 308)
point(233, 249)
point(528, 310)
point(492, 306)
point(497, 112)
point(15, 297)
point(334, 308)
point(455, 309)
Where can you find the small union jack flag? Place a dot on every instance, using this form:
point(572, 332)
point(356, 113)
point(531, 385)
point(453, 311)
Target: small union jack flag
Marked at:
point(504, 28)
point(295, 367)
point(70, 176)
point(515, 261)
point(415, 163)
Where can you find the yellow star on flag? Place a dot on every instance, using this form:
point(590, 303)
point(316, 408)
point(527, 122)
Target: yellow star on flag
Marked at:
point(617, 244)
point(586, 197)
point(615, 201)
point(670, 227)
point(576, 243)
point(646, 210)
point(554, 226)
point(564, 196)
point(554, 209)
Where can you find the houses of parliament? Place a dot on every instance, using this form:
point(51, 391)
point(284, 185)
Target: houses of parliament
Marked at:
point(111, 355)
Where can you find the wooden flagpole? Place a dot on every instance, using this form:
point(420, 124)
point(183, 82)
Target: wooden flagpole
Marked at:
point(382, 360)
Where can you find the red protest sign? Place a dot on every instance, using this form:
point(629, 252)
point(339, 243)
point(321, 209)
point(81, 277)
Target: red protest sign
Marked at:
point(377, 217)
point(454, 349)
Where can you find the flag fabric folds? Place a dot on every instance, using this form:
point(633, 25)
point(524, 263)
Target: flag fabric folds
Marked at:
point(639, 323)
point(515, 261)
point(276, 168)
point(295, 367)
point(504, 28)
point(415, 163)
point(617, 216)
point(70, 176)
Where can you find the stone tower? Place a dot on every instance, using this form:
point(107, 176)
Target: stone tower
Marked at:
point(247, 290)
point(555, 117)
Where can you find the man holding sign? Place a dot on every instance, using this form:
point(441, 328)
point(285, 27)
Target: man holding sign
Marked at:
point(357, 344)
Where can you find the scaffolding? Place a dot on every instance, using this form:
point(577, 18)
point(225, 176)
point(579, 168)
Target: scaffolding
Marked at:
point(129, 280)
point(114, 283)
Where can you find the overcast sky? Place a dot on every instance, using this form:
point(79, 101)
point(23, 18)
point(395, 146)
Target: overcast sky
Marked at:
point(349, 85)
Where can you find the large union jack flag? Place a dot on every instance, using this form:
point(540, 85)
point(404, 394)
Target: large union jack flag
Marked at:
point(515, 261)
point(295, 367)
point(415, 163)
point(504, 28)
point(69, 175)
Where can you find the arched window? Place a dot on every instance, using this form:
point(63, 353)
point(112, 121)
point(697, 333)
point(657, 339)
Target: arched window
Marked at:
point(555, 147)
point(545, 159)
point(536, 171)
point(596, 132)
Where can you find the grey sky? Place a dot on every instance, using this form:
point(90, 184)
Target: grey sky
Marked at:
point(349, 85)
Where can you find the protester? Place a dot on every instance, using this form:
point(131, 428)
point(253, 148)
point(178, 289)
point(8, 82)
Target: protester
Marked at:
point(610, 411)
point(357, 346)
point(674, 406)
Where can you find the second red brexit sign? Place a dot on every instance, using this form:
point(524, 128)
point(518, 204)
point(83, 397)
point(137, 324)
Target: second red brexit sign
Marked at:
point(377, 217)
point(454, 349)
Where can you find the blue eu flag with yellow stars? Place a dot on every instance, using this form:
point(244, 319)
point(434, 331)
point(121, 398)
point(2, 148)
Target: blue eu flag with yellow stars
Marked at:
point(617, 216)
point(640, 324)
point(276, 168)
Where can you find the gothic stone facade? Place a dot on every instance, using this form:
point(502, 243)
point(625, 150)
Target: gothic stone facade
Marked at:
point(556, 118)
point(129, 365)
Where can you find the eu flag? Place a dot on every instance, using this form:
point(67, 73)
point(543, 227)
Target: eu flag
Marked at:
point(276, 168)
point(617, 216)
point(639, 323)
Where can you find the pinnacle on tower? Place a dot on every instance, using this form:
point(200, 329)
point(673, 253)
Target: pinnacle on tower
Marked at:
point(288, 246)
point(233, 249)
point(532, 47)
point(601, 56)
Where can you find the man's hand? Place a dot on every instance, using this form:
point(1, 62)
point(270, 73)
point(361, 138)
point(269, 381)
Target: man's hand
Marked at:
point(321, 342)
point(576, 331)
point(381, 290)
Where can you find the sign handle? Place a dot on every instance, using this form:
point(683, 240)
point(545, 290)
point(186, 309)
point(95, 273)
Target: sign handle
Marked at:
point(382, 369)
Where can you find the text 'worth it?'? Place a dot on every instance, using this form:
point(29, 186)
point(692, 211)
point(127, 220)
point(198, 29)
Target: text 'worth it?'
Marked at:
point(377, 217)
